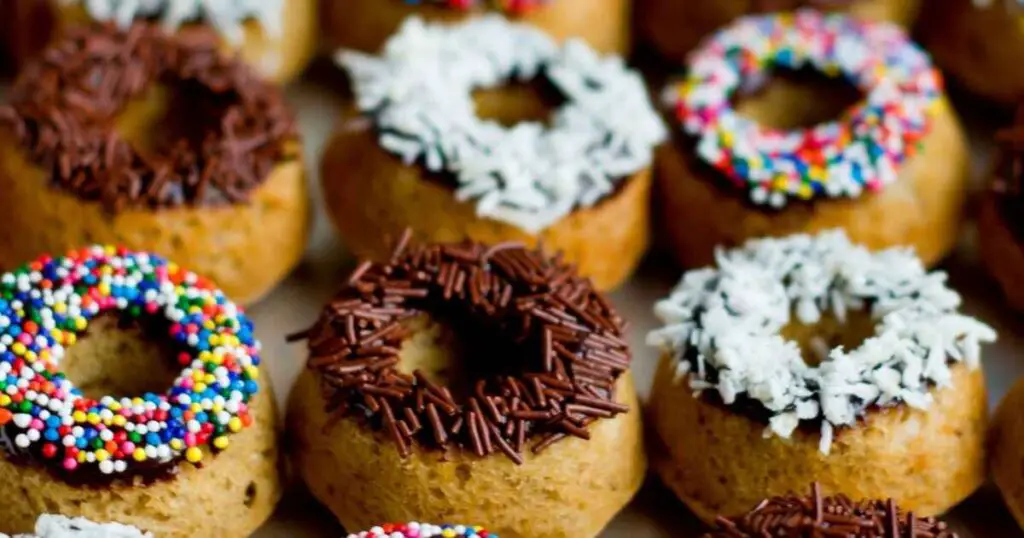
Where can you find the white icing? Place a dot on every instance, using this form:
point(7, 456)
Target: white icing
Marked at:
point(49, 526)
point(419, 92)
point(722, 327)
point(226, 16)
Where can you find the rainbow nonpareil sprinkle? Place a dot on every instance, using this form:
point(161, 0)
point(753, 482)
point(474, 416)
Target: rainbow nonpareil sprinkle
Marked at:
point(861, 151)
point(424, 530)
point(46, 305)
point(516, 7)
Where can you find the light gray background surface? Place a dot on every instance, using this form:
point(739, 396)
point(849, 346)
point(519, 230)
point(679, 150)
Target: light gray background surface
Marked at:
point(655, 512)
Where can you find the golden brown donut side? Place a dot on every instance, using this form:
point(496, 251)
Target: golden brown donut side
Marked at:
point(719, 462)
point(1006, 451)
point(245, 249)
point(982, 48)
point(366, 24)
point(922, 209)
point(673, 28)
point(571, 489)
point(230, 496)
point(1001, 251)
point(373, 197)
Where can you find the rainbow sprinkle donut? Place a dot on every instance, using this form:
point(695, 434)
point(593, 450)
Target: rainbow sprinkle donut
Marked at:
point(861, 151)
point(47, 304)
point(423, 530)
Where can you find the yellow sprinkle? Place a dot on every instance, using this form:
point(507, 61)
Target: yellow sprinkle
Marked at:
point(104, 288)
point(18, 348)
point(80, 324)
point(78, 416)
point(194, 455)
point(69, 339)
point(805, 192)
point(235, 424)
point(254, 372)
point(200, 387)
point(101, 455)
point(5, 400)
point(177, 444)
point(81, 457)
point(221, 442)
point(448, 533)
point(139, 454)
point(60, 308)
point(93, 418)
point(119, 420)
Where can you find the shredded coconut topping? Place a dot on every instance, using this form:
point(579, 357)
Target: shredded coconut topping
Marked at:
point(722, 327)
point(49, 526)
point(419, 93)
point(225, 15)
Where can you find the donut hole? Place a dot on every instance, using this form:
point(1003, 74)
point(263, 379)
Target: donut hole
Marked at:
point(796, 98)
point(120, 357)
point(817, 339)
point(454, 353)
point(518, 102)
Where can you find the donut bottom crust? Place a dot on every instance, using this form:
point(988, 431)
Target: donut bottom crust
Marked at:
point(673, 28)
point(372, 197)
point(367, 24)
point(279, 59)
point(573, 488)
point(721, 463)
point(1006, 451)
point(230, 496)
point(1001, 251)
point(923, 208)
point(982, 48)
point(246, 249)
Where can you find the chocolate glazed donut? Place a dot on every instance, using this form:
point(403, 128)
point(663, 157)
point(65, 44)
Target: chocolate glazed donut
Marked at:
point(534, 406)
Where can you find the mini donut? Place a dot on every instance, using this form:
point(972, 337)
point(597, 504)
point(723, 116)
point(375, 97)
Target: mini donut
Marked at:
point(51, 526)
point(366, 25)
point(980, 43)
point(892, 170)
point(896, 407)
point(423, 530)
point(418, 156)
point(817, 515)
point(1000, 223)
point(390, 420)
point(671, 28)
point(83, 160)
point(279, 42)
point(1006, 455)
point(199, 459)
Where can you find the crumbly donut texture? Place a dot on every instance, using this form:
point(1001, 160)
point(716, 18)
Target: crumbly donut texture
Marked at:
point(1006, 451)
point(419, 97)
point(845, 157)
point(979, 44)
point(367, 24)
point(923, 208)
point(720, 462)
point(673, 28)
point(229, 245)
point(722, 327)
point(573, 488)
point(372, 197)
point(51, 526)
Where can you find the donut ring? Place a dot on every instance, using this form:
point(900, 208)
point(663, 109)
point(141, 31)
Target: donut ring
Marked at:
point(673, 29)
point(75, 158)
point(723, 337)
point(873, 160)
point(367, 24)
point(561, 406)
point(135, 460)
point(978, 43)
point(525, 181)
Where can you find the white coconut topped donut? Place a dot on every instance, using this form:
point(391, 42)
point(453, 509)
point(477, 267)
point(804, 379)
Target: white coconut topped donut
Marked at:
point(226, 16)
point(50, 526)
point(419, 95)
point(722, 327)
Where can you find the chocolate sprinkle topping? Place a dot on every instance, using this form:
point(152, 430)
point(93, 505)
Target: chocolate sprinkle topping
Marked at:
point(566, 341)
point(794, 516)
point(65, 104)
point(1009, 178)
